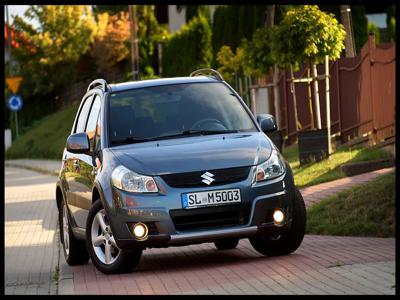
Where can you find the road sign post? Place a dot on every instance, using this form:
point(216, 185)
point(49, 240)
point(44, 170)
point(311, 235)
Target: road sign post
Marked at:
point(15, 103)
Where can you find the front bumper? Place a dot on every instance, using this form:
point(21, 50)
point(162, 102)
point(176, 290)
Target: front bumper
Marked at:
point(161, 213)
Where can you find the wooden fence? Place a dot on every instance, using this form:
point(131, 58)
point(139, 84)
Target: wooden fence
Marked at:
point(362, 98)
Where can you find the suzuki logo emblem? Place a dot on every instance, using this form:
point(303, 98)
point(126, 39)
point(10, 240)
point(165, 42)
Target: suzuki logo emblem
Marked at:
point(207, 178)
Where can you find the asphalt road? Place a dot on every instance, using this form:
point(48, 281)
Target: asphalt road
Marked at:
point(322, 264)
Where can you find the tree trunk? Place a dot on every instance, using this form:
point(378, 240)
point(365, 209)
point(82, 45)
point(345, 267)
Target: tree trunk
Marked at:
point(276, 97)
point(316, 97)
point(328, 104)
point(270, 16)
point(293, 90)
point(310, 96)
point(349, 41)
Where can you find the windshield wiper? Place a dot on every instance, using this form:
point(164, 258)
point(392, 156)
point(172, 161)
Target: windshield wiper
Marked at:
point(129, 140)
point(132, 140)
point(205, 132)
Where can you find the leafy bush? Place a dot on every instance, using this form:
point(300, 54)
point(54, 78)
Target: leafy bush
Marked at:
point(188, 49)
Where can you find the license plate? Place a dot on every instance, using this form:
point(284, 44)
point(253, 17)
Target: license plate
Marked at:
point(211, 198)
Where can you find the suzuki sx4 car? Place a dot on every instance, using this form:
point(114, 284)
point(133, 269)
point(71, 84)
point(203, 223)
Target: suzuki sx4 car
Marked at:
point(172, 162)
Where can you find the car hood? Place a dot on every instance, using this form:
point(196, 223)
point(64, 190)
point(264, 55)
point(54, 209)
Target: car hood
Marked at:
point(195, 153)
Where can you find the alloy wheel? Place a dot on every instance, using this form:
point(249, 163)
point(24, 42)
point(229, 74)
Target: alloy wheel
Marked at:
point(103, 241)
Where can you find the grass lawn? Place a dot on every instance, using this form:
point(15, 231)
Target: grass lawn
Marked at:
point(365, 210)
point(47, 139)
point(328, 169)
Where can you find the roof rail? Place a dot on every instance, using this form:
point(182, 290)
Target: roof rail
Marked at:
point(204, 71)
point(98, 82)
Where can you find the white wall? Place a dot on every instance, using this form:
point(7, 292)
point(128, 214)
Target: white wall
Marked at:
point(7, 138)
point(175, 19)
point(262, 106)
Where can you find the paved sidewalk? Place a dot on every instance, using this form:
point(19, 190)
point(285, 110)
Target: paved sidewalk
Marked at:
point(316, 193)
point(31, 243)
point(41, 165)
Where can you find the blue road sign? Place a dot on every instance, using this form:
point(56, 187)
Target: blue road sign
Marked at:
point(15, 103)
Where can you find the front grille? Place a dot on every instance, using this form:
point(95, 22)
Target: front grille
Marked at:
point(194, 179)
point(209, 217)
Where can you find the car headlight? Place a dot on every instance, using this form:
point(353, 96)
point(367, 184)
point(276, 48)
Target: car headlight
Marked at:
point(130, 181)
point(272, 168)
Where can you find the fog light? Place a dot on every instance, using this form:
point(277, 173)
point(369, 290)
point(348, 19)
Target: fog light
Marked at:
point(140, 231)
point(278, 216)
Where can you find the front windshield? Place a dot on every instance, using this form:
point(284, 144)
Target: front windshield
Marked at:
point(172, 110)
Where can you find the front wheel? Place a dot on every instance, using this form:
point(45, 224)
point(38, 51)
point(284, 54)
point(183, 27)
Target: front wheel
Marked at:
point(103, 250)
point(289, 241)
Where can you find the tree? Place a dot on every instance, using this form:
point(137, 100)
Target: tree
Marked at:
point(307, 34)
point(111, 44)
point(232, 64)
point(257, 52)
point(64, 34)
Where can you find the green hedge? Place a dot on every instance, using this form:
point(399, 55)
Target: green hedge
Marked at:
point(232, 23)
point(188, 49)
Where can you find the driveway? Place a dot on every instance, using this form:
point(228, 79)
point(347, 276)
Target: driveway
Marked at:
point(322, 264)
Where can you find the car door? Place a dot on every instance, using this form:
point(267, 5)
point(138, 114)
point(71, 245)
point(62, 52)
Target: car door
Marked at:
point(85, 168)
point(74, 186)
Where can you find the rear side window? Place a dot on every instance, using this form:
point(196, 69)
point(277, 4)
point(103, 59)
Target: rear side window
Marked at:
point(92, 121)
point(80, 125)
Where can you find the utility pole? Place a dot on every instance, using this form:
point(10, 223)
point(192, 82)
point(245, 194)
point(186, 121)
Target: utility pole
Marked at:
point(346, 20)
point(11, 63)
point(134, 42)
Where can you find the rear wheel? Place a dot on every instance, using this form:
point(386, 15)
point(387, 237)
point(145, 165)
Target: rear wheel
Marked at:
point(103, 250)
point(288, 242)
point(226, 244)
point(75, 251)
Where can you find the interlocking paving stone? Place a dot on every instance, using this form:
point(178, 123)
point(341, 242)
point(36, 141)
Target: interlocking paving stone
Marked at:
point(322, 264)
point(30, 226)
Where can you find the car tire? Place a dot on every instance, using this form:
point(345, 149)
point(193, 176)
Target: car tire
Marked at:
point(289, 241)
point(226, 244)
point(75, 251)
point(122, 261)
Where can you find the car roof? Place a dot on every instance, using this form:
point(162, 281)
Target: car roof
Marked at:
point(118, 87)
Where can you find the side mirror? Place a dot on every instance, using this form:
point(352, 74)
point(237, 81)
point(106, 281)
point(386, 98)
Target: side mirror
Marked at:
point(267, 123)
point(78, 143)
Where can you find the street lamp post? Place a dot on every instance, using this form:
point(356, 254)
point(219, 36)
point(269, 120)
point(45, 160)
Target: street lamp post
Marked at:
point(134, 43)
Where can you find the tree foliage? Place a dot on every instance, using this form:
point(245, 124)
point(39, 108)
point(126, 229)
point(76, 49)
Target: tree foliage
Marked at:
point(112, 41)
point(231, 64)
point(360, 25)
point(372, 28)
point(65, 33)
point(391, 23)
point(306, 34)
point(257, 52)
point(233, 23)
point(188, 49)
point(110, 44)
